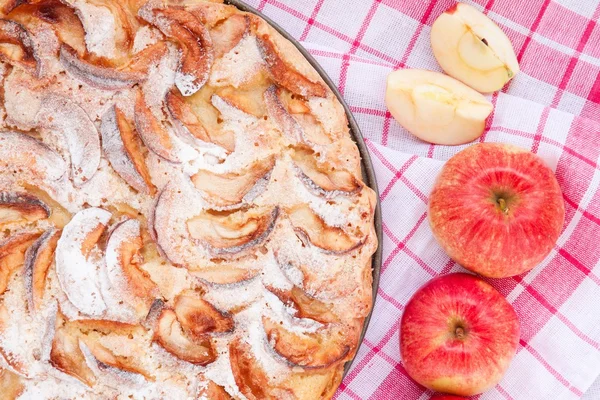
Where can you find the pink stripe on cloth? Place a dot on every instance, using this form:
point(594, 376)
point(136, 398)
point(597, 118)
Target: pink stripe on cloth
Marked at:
point(551, 107)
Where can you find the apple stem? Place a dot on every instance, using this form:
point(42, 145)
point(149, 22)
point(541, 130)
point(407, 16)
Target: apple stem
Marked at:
point(503, 206)
point(460, 333)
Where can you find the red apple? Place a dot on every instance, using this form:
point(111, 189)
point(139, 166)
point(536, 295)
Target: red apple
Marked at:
point(458, 335)
point(496, 209)
point(447, 397)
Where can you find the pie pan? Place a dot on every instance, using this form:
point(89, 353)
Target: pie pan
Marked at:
point(368, 172)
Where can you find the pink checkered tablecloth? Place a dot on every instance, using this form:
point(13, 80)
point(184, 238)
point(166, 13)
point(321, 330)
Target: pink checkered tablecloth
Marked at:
point(552, 107)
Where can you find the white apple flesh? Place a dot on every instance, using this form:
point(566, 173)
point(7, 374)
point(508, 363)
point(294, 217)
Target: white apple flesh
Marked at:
point(473, 49)
point(436, 108)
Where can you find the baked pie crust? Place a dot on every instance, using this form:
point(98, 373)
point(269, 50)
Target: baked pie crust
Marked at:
point(182, 213)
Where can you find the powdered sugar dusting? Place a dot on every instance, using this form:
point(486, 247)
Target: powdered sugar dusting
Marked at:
point(78, 273)
point(239, 65)
point(144, 37)
point(100, 27)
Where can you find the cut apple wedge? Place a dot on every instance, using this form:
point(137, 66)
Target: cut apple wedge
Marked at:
point(194, 41)
point(12, 385)
point(226, 35)
point(285, 72)
point(76, 267)
point(12, 255)
point(123, 149)
point(171, 337)
point(322, 178)
point(83, 141)
point(436, 108)
point(17, 48)
point(231, 233)
point(250, 377)
point(21, 208)
point(132, 284)
point(234, 188)
point(323, 348)
point(99, 77)
point(311, 227)
point(473, 49)
point(278, 113)
point(38, 259)
point(25, 154)
point(198, 317)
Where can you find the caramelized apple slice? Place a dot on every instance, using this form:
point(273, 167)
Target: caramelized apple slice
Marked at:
point(76, 267)
point(211, 13)
point(71, 121)
point(154, 134)
point(306, 306)
point(322, 178)
point(170, 336)
point(228, 34)
point(113, 343)
point(275, 52)
point(199, 318)
point(248, 101)
point(97, 76)
point(225, 274)
point(38, 259)
point(66, 356)
point(114, 377)
point(249, 376)
point(25, 154)
point(123, 149)
point(321, 349)
point(120, 362)
point(226, 233)
point(151, 55)
point(277, 112)
point(332, 239)
point(193, 39)
point(17, 48)
point(12, 255)
point(122, 265)
point(231, 189)
point(12, 386)
point(21, 207)
point(183, 113)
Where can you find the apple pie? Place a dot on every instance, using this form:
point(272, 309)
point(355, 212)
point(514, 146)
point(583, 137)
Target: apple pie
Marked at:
point(182, 211)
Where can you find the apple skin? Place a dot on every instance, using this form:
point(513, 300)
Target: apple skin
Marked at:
point(447, 397)
point(496, 209)
point(458, 335)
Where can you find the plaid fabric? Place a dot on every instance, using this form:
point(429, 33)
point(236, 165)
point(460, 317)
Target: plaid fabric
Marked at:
point(552, 107)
